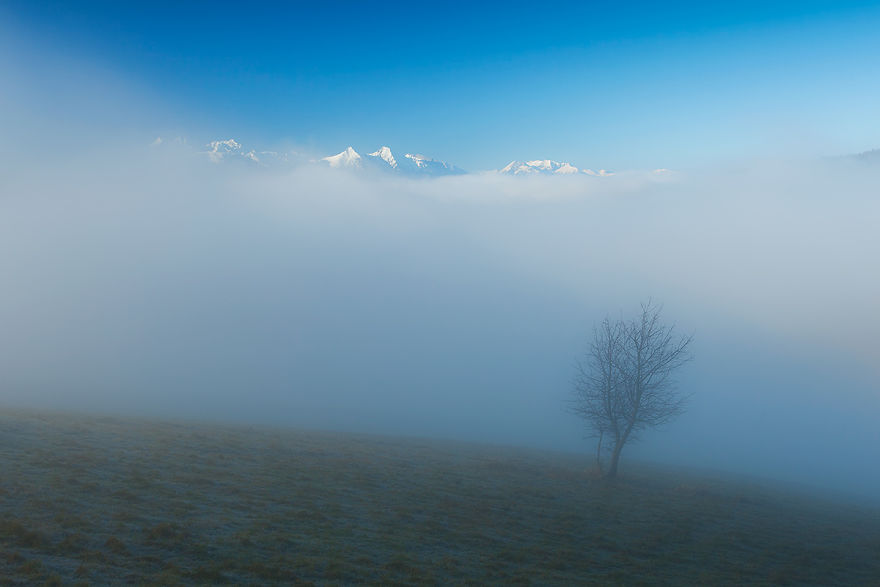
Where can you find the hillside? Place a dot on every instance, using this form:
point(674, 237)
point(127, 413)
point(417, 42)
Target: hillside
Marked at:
point(101, 500)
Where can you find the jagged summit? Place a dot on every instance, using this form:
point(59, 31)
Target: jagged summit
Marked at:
point(217, 150)
point(428, 166)
point(230, 149)
point(383, 159)
point(384, 153)
point(537, 166)
point(547, 167)
point(348, 158)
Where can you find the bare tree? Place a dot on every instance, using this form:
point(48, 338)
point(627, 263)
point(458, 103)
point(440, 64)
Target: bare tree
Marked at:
point(624, 383)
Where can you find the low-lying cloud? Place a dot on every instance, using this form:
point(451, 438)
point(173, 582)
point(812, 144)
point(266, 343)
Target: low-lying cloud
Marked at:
point(151, 281)
point(451, 307)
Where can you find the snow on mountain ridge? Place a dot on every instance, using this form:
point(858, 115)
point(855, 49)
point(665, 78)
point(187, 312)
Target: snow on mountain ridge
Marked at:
point(430, 166)
point(385, 154)
point(384, 160)
point(348, 158)
point(547, 167)
point(220, 149)
point(419, 160)
point(537, 166)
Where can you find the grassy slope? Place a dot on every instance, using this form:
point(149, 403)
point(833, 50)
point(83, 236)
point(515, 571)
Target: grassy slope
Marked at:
point(105, 500)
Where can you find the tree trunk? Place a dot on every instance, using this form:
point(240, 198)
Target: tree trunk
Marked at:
point(615, 457)
point(599, 453)
point(619, 441)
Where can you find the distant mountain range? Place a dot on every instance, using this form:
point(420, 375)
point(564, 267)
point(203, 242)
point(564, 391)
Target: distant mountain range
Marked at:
point(420, 165)
point(230, 149)
point(415, 165)
point(548, 167)
point(384, 160)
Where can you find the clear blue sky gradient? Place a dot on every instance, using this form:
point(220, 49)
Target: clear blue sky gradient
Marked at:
point(614, 85)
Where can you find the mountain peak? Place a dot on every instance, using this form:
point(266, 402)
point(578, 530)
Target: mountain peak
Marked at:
point(548, 167)
point(538, 166)
point(428, 166)
point(219, 149)
point(383, 160)
point(347, 158)
point(384, 153)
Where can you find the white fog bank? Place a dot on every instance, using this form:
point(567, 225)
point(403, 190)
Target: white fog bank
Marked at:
point(138, 281)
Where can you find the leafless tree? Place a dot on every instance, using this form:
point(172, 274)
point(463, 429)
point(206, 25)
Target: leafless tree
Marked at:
point(624, 384)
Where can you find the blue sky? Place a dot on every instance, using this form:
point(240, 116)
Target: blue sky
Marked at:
point(625, 85)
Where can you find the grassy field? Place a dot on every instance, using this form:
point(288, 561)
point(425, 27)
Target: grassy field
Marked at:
point(99, 500)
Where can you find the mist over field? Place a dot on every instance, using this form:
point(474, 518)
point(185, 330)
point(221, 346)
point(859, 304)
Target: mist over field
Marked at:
point(149, 281)
point(305, 294)
point(152, 282)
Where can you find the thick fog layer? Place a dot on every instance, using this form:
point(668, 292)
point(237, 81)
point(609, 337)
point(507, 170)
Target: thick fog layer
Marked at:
point(151, 281)
point(155, 282)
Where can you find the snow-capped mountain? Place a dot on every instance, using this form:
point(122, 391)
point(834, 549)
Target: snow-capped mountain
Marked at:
point(219, 150)
point(419, 164)
point(547, 167)
point(384, 153)
point(349, 158)
point(383, 159)
point(537, 166)
point(230, 149)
